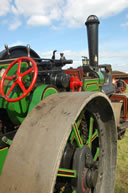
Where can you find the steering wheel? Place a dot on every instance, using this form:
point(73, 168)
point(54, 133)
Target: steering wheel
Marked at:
point(17, 79)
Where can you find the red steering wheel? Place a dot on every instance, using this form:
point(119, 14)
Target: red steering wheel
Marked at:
point(17, 78)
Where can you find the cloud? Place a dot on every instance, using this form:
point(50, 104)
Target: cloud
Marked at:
point(4, 7)
point(69, 54)
point(76, 11)
point(17, 43)
point(124, 24)
point(38, 13)
point(38, 20)
point(15, 24)
point(118, 60)
point(110, 54)
point(69, 12)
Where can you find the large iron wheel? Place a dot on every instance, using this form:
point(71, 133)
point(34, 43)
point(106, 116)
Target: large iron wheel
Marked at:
point(67, 144)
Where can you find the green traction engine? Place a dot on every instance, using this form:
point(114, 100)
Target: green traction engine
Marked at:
point(58, 128)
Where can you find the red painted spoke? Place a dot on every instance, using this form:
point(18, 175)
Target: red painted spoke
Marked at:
point(8, 77)
point(19, 66)
point(11, 88)
point(22, 86)
point(27, 72)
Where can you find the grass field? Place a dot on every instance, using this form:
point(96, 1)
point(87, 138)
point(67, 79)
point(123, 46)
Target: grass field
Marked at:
point(122, 166)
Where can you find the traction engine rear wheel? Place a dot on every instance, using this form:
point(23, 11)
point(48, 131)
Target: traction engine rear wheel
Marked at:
point(67, 144)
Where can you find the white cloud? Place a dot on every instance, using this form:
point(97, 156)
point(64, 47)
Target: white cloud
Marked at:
point(107, 54)
point(77, 11)
point(4, 7)
point(15, 24)
point(69, 54)
point(38, 13)
point(118, 60)
point(38, 20)
point(124, 24)
point(17, 43)
point(69, 12)
point(33, 7)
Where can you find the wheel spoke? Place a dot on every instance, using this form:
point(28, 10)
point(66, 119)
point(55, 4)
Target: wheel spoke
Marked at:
point(8, 78)
point(78, 138)
point(19, 66)
point(78, 122)
point(11, 88)
point(26, 72)
point(67, 173)
point(96, 154)
point(91, 121)
point(22, 86)
point(94, 136)
point(72, 137)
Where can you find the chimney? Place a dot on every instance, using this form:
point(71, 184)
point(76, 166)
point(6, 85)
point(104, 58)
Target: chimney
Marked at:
point(92, 31)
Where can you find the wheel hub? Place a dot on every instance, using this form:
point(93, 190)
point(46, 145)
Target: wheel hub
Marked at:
point(91, 177)
point(14, 77)
point(87, 172)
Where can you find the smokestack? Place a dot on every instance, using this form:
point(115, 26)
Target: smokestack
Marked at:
point(92, 31)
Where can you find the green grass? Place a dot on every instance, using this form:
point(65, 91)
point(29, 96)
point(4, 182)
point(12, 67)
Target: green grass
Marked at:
point(122, 166)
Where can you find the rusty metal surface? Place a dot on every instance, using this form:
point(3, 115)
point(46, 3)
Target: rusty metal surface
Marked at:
point(116, 97)
point(117, 74)
point(37, 148)
point(117, 110)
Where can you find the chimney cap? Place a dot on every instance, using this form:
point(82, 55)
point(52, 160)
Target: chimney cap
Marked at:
point(92, 19)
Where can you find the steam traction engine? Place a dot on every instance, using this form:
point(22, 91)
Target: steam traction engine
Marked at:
point(58, 139)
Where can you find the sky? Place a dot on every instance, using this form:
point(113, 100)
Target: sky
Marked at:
point(60, 24)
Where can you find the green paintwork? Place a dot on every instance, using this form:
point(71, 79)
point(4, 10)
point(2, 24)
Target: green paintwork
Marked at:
point(78, 122)
point(3, 103)
point(17, 111)
point(3, 154)
point(94, 84)
point(91, 137)
point(70, 173)
point(48, 91)
point(90, 132)
point(101, 77)
point(78, 138)
point(96, 155)
point(6, 140)
point(41, 92)
point(91, 85)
